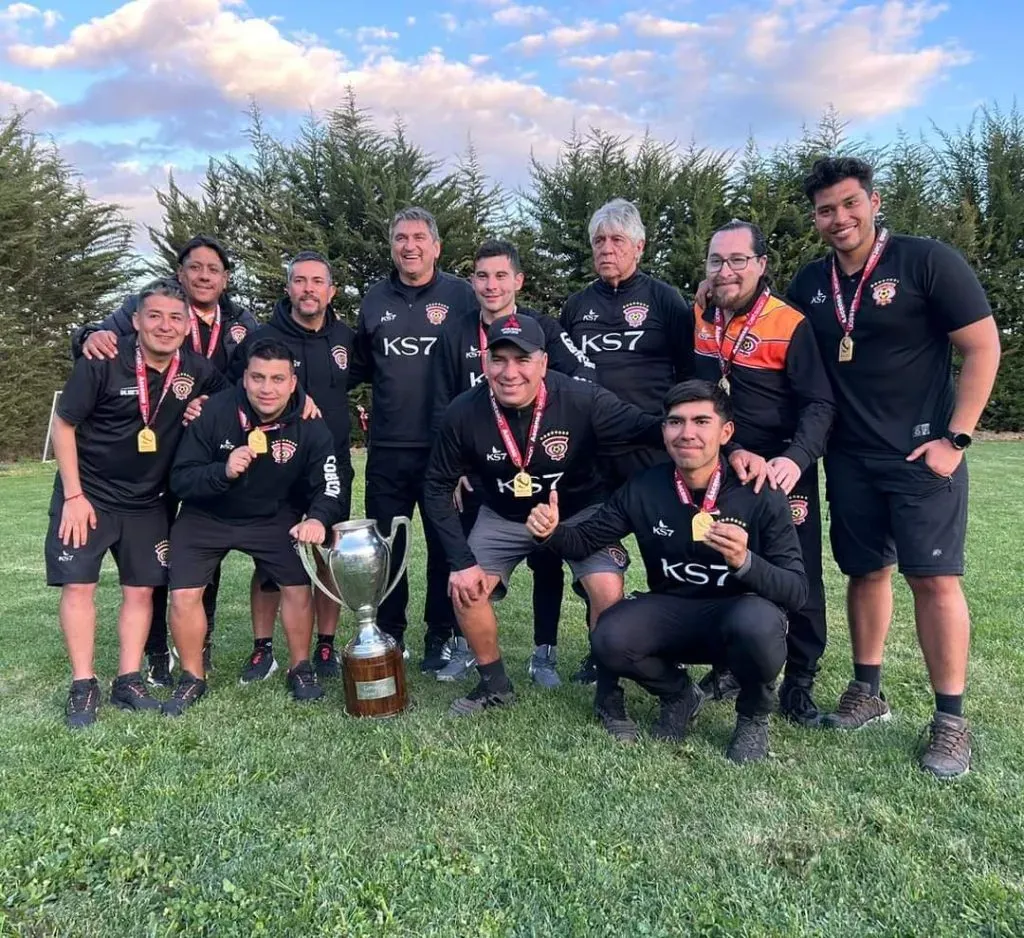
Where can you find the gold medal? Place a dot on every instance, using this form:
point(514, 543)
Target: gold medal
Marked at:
point(257, 441)
point(522, 485)
point(724, 385)
point(701, 524)
point(147, 440)
point(846, 349)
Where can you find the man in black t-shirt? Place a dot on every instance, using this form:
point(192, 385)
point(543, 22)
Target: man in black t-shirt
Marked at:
point(887, 311)
point(115, 432)
point(723, 563)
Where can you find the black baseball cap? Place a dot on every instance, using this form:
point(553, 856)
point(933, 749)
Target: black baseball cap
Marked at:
point(523, 332)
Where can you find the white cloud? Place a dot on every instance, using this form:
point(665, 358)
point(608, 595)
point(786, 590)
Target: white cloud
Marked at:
point(628, 60)
point(449, 21)
point(24, 99)
point(410, 21)
point(374, 34)
point(521, 16)
point(657, 27)
point(564, 37)
point(477, 60)
point(19, 11)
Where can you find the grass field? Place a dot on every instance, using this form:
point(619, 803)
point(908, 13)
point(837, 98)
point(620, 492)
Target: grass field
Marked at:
point(255, 816)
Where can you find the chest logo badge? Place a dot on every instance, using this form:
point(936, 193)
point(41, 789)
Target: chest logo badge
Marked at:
point(884, 292)
point(635, 314)
point(436, 313)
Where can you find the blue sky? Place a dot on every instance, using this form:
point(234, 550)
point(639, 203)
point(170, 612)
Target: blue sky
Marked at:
point(131, 89)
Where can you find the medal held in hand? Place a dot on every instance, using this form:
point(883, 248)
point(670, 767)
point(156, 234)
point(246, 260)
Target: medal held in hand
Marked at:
point(257, 438)
point(146, 440)
point(701, 524)
point(257, 441)
point(522, 483)
point(847, 319)
point(705, 517)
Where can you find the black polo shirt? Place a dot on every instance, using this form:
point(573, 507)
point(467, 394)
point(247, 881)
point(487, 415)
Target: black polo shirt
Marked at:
point(897, 392)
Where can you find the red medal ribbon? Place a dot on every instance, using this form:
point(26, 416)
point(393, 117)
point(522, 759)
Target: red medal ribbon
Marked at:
point(143, 385)
point(511, 447)
point(246, 426)
point(710, 495)
point(197, 342)
point(846, 320)
point(725, 361)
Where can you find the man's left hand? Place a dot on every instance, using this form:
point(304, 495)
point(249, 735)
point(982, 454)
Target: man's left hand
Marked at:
point(786, 472)
point(730, 540)
point(309, 409)
point(941, 456)
point(309, 531)
point(194, 409)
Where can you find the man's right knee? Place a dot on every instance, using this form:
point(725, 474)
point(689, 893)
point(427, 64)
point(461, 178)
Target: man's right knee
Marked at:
point(186, 600)
point(611, 639)
point(76, 593)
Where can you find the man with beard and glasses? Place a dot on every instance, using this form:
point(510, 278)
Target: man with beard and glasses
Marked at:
point(216, 327)
point(887, 311)
point(321, 344)
point(762, 353)
point(115, 432)
point(460, 366)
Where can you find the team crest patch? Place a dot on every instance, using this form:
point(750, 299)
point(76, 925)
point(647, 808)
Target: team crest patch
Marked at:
point(619, 557)
point(884, 292)
point(555, 444)
point(282, 450)
point(163, 553)
point(238, 332)
point(635, 314)
point(340, 355)
point(749, 345)
point(182, 386)
point(437, 313)
point(798, 506)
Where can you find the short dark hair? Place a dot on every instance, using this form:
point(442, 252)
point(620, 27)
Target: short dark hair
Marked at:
point(757, 238)
point(303, 256)
point(494, 248)
point(165, 286)
point(270, 350)
point(832, 170)
point(695, 389)
point(204, 241)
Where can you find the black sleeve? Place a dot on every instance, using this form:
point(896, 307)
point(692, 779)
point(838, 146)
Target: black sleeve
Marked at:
point(197, 472)
point(236, 367)
point(446, 375)
point(322, 482)
point(81, 391)
point(120, 321)
point(777, 571)
point(360, 368)
point(615, 421)
point(563, 354)
point(213, 381)
point(608, 525)
point(679, 315)
point(248, 320)
point(815, 403)
point(446, 465)
point(565, 317)
point(955, 295)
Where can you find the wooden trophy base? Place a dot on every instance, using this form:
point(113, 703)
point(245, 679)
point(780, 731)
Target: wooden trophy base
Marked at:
point(375, 687)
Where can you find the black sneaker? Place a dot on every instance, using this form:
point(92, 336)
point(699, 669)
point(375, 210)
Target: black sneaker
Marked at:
point(587, 671)
point(259, 667)
point(611, 711)
point(948, 752)
point(857, 707)
point(719, 684)
point(677, 713)
point(207, 656)
point(187, 691)
point(328, 664)
point(159, 668)
point(129, 692)
point(796, 703)
point(83, 702)
point(481, 698)
point(749, 741)
point(302, 682)
point(436, 652)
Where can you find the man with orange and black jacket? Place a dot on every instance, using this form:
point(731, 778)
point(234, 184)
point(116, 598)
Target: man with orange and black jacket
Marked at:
point(763, 353)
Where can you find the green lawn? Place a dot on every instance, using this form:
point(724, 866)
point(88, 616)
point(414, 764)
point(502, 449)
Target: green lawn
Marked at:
point(254, 816)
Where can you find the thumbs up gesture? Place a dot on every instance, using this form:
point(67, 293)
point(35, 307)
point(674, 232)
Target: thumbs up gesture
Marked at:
point(544, 518)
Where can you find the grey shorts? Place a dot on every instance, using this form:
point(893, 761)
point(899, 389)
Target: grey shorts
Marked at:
point(500, 545)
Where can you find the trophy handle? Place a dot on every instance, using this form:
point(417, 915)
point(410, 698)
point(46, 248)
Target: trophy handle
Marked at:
point(309, 563)
point(396, 524)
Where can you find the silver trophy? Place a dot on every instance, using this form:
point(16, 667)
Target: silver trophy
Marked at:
point(360, 572)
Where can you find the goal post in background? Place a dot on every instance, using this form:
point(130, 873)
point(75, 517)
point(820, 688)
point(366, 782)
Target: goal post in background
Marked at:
point(47, 455)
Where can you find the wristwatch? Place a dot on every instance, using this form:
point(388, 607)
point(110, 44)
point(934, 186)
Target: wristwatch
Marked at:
point(959, 440)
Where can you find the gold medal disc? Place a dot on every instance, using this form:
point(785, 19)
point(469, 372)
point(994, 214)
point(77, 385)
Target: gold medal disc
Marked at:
point(522, 485)
point(257, 441)
point(147, 440)
point(701, 524)
point(846, 349)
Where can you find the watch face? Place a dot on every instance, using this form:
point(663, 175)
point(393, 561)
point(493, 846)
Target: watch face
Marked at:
point(961, 440)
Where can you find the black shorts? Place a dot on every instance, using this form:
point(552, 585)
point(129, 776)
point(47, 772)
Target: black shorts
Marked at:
point(885, 510)
point(199, 542)
point(616, 467)
point(138, 543)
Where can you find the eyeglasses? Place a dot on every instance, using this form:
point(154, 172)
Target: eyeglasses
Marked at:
point(736, 262)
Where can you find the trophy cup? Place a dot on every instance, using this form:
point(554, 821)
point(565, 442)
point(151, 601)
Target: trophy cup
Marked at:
point(358, 567)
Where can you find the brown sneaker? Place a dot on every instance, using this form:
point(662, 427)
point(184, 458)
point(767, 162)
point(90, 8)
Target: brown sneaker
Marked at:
point(948, 753)
point(857, 707)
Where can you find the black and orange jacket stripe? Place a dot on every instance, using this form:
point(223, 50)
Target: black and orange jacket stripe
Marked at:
point(780, 391)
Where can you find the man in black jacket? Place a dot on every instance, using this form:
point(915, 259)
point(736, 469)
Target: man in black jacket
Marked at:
point(400, 321)
point(322, 354)
point(117, 425)
point(246, 475)
point(216, 327)
point(459, 366)
point(723, 562)
point(522, 434)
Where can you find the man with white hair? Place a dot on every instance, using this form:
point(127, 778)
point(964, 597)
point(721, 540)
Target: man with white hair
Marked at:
point(637, 330)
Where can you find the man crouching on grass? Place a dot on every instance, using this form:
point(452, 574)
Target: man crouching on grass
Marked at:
point(240, 471)
point(723, 563)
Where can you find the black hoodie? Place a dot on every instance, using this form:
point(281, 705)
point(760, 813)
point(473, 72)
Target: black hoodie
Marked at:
point(324, 364)
point(299, 471)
